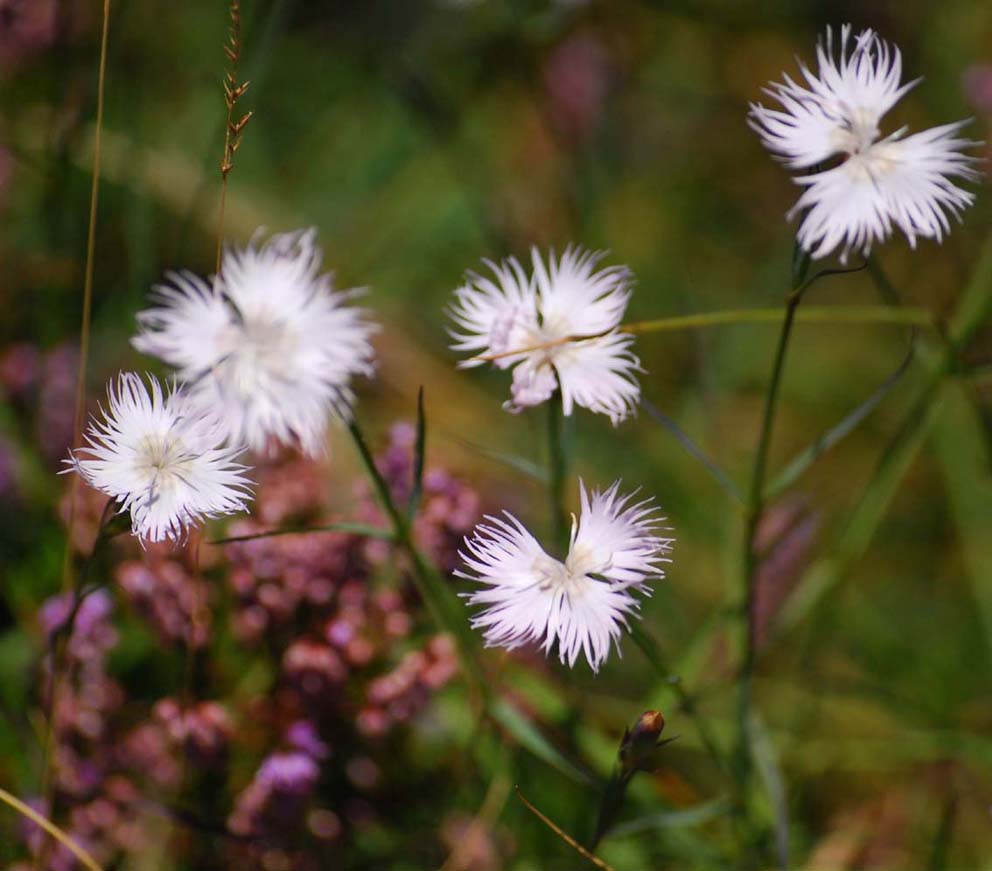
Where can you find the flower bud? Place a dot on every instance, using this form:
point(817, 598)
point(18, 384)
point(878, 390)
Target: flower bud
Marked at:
point(637, 749)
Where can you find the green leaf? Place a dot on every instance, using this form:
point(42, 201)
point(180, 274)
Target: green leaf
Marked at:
point(417, 486)
point(766, 760)
point(520, 464)
point(354, 528)
point(697, 453)
point(866, 515)
point(676, 819)
point(971, 311)
point(802, 461)
point(963, 454)
point(445, 609)
point(527, 735)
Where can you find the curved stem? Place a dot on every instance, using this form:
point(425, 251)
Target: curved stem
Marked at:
point(855, 314)
point(863, 314)
point(65, 840)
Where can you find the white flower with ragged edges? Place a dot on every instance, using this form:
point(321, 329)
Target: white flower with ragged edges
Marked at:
point(557, 329)
point(529, 596)
point(269, 348)
point(877, 182)
point(161, 460)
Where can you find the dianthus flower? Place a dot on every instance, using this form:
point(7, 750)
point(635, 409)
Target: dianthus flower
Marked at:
point(581, 603)
point(557, 329)
point(877, 181)
point(268, 347)
point(161, 459)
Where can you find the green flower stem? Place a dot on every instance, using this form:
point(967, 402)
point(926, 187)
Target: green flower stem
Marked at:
point(557, 463)
point(445, 609)
point(744, 763)
point(864, 314)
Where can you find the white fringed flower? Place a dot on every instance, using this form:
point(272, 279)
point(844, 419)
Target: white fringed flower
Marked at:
point(268, 347)
point(897, 180)
point(581, 603)
point(161, 459)
point(557, 329)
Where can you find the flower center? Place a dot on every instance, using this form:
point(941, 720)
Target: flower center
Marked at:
point(254, 352)
point(555, 576)
point(857, 130)
point(163, 459)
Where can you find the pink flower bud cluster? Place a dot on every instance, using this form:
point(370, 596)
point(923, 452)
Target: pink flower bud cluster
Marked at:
point(169, 597)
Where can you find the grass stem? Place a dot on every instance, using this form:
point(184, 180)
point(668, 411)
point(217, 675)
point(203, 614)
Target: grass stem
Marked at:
point(81, 378)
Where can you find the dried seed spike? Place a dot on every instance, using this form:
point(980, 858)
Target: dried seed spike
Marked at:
point(233, 91)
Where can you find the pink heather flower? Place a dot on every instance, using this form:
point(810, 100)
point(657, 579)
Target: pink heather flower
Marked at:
point(268, 347)
point(557, 329)
point(581, 603)
point(160, 459)
point(879, 182)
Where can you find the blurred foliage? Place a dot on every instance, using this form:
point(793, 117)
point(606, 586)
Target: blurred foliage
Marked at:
point(419, 137)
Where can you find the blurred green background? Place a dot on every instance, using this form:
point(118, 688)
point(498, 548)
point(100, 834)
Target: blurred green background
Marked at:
point(420, 137)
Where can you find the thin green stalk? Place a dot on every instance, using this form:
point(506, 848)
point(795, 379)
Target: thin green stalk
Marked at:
point(755, 504)
point(556, 472)
point(743, 757)
point(84, 350)
point(345, 527)
point(50, 828)
point(886, 289)
point(864, 314)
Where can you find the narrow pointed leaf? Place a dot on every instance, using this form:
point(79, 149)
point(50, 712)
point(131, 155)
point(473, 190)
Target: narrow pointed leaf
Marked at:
point(520, 464)
point(417, 488)
point(528, 736)
point(721, 477)
point(803, 460)
point(675, 819)
point(963, 454)
point(766, 760)
point(443, 605)
point(353, 528)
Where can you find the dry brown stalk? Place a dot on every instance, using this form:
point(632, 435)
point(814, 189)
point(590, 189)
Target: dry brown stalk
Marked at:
point(233, 130)
point(567, 838)
point(58, 665)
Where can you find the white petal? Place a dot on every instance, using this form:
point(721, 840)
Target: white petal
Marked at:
point(905, 182)
point(534, 382)
point(589, 620)
point(598, 374)
point(582, 604)
point(161, 460)
point(574, 299)
point(617, 538)
point(270, 350)
point(495, 317)
point(840, 107)
point(187, 326)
